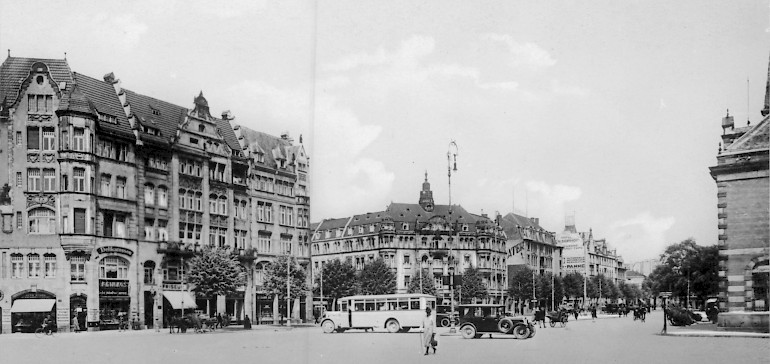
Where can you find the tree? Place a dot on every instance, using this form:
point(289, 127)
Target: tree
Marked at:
point(376, 278)
point(686, 264)
point(473, 285)
point(428, 287)
point(520, 287)
point(573, 285)
point(275, 278)
point(339, 279)
point(214, 272)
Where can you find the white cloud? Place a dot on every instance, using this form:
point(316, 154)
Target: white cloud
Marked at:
point(522, 53)
point(122, 31)
point(640, 237)
point(410, 51)
point(549, 202)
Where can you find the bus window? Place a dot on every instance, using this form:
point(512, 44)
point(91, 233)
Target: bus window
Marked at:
point(344, 306)
point(369, 305)
point(392, 305)
point(433, 305)
point(359, 306)
point(414, 303)
point(403, 304)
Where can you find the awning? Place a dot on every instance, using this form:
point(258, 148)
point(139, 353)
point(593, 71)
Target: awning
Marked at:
point(180, 299)
point(39, 305)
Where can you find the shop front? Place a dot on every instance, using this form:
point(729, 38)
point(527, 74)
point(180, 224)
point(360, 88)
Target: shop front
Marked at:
point(176, 304)
point(79, 309)
point(114, 300)
point(29, 309)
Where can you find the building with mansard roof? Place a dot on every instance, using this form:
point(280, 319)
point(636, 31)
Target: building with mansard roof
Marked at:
point(442, 239)
point(108, 192)
point(743, 198)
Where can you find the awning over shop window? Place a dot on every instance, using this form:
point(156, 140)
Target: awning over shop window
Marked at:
point(177, 298)
point(39, 305)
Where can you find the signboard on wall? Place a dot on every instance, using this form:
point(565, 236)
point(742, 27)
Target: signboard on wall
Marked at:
point(573, 254)
point(62, 316)
point(6, 316)
point(113, 288)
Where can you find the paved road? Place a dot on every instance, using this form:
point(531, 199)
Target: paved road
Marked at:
point(609, 340)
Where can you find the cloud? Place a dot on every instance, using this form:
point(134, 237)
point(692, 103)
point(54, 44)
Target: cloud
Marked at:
point(549, 202)
point(522, 53)
point(123, 31)
point(640, 237)
point(410, 51)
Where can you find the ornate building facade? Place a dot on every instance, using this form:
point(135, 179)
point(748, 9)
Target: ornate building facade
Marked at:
point(442, 239)
point(108, 191)
point(743, 204)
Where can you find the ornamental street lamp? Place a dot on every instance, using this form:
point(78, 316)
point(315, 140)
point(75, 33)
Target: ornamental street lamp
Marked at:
point(451, 160)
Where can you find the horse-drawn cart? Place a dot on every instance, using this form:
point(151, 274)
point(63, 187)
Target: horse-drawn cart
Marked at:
point(561, 316)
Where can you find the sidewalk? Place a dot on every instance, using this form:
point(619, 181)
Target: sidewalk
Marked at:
point(707, 329)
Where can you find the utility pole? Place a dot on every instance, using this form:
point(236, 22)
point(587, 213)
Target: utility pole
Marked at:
point(451, 160)
point(288, 288)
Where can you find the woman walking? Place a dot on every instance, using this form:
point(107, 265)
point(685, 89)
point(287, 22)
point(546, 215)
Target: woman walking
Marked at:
point(427, 333)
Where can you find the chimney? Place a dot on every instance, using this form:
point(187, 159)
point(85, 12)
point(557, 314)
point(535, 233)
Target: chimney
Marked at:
point(285, 136)
point(227, 115)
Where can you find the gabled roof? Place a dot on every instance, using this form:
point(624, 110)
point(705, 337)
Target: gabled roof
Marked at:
point(228, 134)
point(75, 101)
point(167, 122)
point(103, 98)
point(756, 137)
point(266, 143)
point(15, 70)
point(511, 221)
point(411, 212)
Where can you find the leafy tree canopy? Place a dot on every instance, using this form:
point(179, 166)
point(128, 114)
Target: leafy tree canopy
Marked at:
point(428, 285)
point(275, 277)
point(376, 278)
point(214, 272)
point(339, 279)
point(520, 287)
point(682, 263)
point(473, 285)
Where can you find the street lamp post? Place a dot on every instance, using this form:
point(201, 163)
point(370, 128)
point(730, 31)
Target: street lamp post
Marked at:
point(451, 160)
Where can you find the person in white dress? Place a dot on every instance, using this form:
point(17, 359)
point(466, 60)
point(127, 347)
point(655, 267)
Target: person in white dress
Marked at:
point(427, 333)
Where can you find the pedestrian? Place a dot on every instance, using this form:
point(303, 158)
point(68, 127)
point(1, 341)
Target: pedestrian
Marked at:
point(316, 314)
point(575, 312)
point(593, 312)
point(219, 320)
point(540, 317)
point(75, 323)
point(428, 336)
point(247, 322)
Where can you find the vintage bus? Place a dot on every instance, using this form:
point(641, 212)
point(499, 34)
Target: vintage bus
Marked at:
point(394, 312)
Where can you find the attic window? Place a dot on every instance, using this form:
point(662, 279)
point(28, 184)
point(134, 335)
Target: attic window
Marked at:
point(150, 130)
point(155, 111)
point(39, 80)
point(108, 118)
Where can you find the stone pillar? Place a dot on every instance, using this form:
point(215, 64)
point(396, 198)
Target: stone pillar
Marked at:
point(221, 304)
point(275, 310)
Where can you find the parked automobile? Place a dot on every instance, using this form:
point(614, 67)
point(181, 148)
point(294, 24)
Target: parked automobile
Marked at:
point(610, 308)
point(444, 316)
point(478, 319)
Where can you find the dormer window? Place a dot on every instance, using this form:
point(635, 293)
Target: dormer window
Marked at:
point(108, 118)
point(155, 111)
point(404, 226)
point(261, 157)
point(202, 128)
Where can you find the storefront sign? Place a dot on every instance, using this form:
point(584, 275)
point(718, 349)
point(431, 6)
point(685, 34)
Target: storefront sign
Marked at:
point(35, 295)
point(174, 287)
point(62, 317)
point(114, 250)
point(113, 288)
point(7, 315)
point(93, 314)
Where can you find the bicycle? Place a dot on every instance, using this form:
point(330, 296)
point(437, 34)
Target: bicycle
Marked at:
point(44, 331)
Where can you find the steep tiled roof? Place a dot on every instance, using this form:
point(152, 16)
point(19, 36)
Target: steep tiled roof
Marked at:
point(167, 122)
point(228, 134)
point(75, 101)
point(103, 97)
point(411, 212)
point(265, 141)
point(511, 222)
point(15, 70)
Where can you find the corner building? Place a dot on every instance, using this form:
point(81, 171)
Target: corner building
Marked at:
point(444, 240)
point(107, 192)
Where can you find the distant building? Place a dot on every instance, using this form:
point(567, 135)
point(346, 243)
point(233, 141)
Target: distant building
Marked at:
point(743, 197)
point(442, 239)
point(588, 256)
point(635, 278)
point(531, 245)
point(644, 267)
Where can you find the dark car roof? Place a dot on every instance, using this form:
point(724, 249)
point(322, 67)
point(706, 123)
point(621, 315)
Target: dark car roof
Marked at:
point(480, 305)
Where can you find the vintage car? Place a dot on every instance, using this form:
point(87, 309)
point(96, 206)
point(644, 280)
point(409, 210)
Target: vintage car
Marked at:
point(479, 319)
point(444, 316)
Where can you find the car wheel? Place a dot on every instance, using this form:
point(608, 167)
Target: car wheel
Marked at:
point(445, 322)
point(392, 326)
point(505, 325)
point(552, 323)
point(328, 326)
point(521, 332)
point(531, 331)
point(468, 332)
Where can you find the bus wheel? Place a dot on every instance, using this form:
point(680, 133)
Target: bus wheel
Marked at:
point(328, 326)
point(392, 326)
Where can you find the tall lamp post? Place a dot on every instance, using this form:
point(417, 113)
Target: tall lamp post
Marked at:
point(451, 160)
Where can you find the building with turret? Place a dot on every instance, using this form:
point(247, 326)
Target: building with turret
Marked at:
point(107, 194)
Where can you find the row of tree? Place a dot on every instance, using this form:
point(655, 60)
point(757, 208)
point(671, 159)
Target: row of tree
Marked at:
point(686, 268)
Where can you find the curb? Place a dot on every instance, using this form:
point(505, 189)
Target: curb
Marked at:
point(718, 334)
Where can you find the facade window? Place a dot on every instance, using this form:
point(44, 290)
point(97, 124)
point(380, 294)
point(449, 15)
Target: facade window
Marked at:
point(114, 225)
point(80, 221)
point(260, 211)
point(18, 139)
point(108, 118)
point(50, 265)
point(19, 222)
point(49, 139)
point(77, 268)
point(49, 180)
point(222, 205)
point(149, 272)
point(162, 196)
point(113, 268)
point(149, 194)
point(120, 187)
point(79, 139)
point(237, 208)
point(33, 262)
point(212, 204)
point(17, 266)
point(199, 201)
point(39, 103)
point(18, 179)
point(182, 204)
point(217, 171)
point(79, 179)
point(149, 228)
point(162, 230)
point(33, 138)
point(33, 180)
point(263, 243)
point(42, 221)
point(244, 211)
point(106, 185)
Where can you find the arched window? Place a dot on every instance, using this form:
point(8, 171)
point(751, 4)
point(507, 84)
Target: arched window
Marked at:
point(17, 265)
point(34, 265)
point(149, 194)
point(182, 204)
point(222, 205)
point(50, 265)
point(42, 221)
point(212, 204)
point(198, 203)
point(162, 196)
point(236, 211)
point(190, 195)
point(113, 268)
point(149, 272)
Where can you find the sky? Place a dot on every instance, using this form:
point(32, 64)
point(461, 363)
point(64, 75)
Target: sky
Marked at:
point(606, 110)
